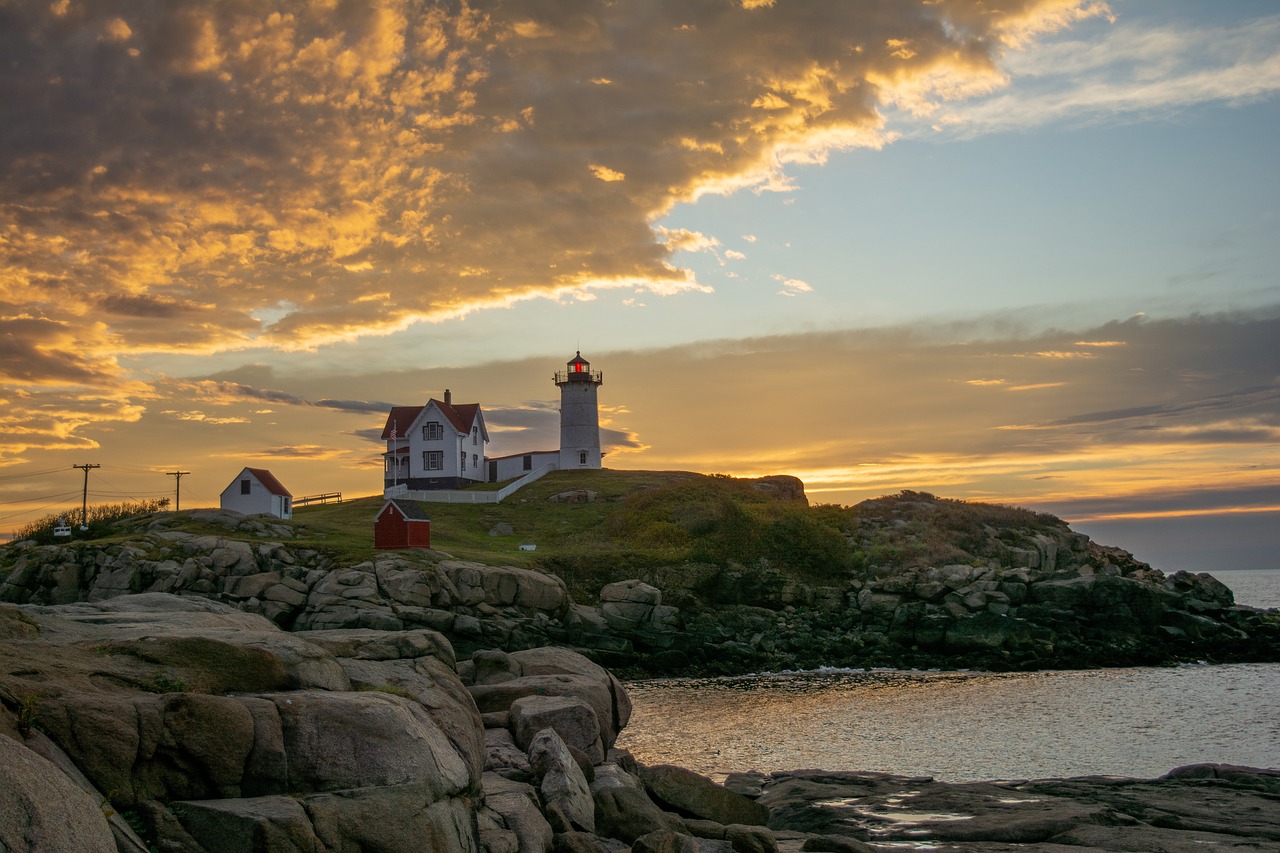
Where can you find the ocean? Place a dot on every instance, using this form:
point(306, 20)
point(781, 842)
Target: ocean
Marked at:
point(964, 726)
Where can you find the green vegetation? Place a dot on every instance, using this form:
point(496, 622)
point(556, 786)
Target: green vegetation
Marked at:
point(164, 683)
point(99, 519)
point(721, 538)
point(28, 711)
point(712, 535)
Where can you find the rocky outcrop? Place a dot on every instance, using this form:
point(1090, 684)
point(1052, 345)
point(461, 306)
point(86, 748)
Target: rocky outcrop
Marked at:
point(1029, 594)
point(215, 730)
point(155, 722)
point(159, 722)
point(1217, 807)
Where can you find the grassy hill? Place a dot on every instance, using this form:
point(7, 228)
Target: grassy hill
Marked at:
point(685, 530)
point(724, 539)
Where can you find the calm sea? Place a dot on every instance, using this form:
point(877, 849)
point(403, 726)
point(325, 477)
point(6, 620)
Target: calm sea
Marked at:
point(960, 726)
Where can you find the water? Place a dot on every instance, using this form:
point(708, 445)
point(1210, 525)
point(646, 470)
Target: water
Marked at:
point(958, 726)
point(1257, 588)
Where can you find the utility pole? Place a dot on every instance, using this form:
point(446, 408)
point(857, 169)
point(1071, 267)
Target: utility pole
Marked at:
point(84, 500)
point(177, 488)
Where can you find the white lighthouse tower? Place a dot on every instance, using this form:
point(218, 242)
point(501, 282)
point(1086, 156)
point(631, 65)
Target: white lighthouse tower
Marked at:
point(579, 418)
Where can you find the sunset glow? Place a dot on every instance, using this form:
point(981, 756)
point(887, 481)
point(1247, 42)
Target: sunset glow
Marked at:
point(1029, 256)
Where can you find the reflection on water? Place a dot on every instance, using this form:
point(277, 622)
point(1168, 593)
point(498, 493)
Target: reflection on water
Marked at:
point(962, 726)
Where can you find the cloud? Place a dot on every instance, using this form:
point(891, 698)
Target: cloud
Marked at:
point(201, 417)
point(792, 286)
point(223, 392)
point(187, 170)
point(291, 451)
point(1134, 68)
point(1182, 406)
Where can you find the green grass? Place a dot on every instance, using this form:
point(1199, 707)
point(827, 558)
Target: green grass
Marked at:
point(673, 529)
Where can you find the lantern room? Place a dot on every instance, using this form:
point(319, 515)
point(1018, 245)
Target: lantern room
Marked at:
point(578, 370)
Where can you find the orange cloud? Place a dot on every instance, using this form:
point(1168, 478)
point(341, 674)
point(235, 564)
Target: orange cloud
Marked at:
point(215, 166)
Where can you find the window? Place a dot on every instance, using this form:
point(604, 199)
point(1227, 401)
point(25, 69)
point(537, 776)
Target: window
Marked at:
point(463, 465)
point(475, 435)
point(475, 461)
point(244, 487)
point(433, 460)
point(432, 431)
point(582, 457)
point(528, 463)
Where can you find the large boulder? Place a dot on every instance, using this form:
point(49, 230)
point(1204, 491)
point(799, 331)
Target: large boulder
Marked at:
point(558, 672)
point(520, 810)
point(565, 793)
point(43, 811)
point(160, 703)
point(690, 793)
point(570, 718)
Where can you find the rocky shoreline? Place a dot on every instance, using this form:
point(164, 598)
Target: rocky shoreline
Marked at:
point(158, 722)
point(1040, 599)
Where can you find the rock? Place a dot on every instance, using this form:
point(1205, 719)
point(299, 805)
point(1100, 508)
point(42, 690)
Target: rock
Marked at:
point(565, 793)
point(395, 819)
point(365, 644)
point(1194, 808)
point(262, 823)
point(503, 757)
point(43, 811)
point(628, 605)
point(690, 793)
point(623, 809)
point(518, 805)
point(357, 740)
point(986, 632)
point(574, 496)
point(560, 672)
point(585, 842)
point(667, 841)
point(492, 666)
point(781, 486)
point(570, 718)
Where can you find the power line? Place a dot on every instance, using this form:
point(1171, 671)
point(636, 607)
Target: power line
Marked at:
point(38, 498)
point(32, 474)
point(38, 509)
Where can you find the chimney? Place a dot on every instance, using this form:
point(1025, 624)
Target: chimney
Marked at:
point(448, 397)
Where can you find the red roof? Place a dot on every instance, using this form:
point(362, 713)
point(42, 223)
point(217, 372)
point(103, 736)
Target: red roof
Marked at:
point(463, 417)
point(403, 417)
point(269, 480)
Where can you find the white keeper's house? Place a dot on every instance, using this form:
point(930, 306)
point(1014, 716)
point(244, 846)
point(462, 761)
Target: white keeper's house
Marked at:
point(441, 446)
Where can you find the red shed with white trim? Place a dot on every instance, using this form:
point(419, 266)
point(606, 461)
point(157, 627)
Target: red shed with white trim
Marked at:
point(401, 524)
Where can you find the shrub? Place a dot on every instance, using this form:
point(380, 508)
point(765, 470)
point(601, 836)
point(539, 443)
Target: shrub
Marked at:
point(97, 518)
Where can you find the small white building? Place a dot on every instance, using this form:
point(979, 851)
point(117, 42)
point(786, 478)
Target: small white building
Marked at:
point(256, 491)
point(436, 446)
point(503, 468)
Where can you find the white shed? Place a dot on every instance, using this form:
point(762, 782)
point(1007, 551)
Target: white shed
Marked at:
point(256, 491)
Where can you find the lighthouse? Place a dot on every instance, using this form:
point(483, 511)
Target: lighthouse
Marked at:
point(579, 417)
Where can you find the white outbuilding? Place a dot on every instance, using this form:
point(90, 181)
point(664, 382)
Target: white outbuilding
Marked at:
point(256, 491)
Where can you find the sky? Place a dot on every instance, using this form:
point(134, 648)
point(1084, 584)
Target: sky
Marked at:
point(1021, 252)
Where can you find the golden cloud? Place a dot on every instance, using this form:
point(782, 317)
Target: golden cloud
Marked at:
point(235, 156)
